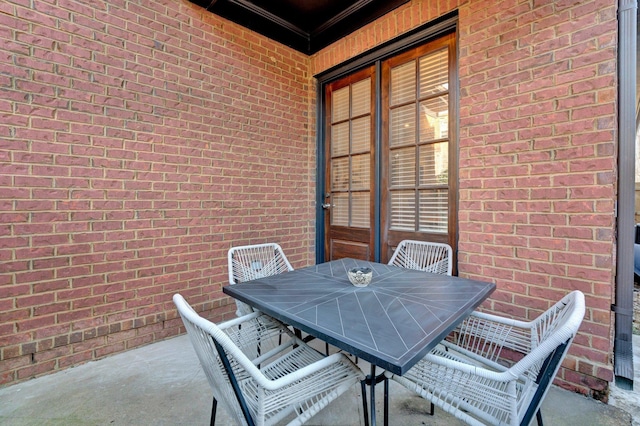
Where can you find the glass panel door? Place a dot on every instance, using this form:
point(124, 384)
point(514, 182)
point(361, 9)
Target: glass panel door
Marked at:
point(419, 195)
point(348, 200)
point(408, 190)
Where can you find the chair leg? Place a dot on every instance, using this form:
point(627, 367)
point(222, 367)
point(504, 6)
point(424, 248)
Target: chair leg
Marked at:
point(432, 409)
point(364, 402)
point(386, 401)
point(539, 417)
point(213, 411)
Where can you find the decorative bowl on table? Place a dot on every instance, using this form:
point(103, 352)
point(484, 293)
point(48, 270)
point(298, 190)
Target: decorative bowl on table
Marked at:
point(360, 277)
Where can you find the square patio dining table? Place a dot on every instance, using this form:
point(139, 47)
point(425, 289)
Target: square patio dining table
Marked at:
point(391, 323)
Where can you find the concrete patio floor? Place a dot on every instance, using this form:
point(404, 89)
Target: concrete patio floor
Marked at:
point(163, 384)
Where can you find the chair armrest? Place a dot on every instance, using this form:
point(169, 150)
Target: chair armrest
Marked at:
point(308, 372)
point(432, 362)
point(489, 337)
point(238, 320)
point(501, 320)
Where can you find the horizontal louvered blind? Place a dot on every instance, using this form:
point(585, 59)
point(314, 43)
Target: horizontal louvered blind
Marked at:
point(433, 210)
point(351, 155)
point(418, 144)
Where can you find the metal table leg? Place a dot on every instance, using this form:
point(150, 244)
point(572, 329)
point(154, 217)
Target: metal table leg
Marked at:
point(372, 394)
point(372, 380)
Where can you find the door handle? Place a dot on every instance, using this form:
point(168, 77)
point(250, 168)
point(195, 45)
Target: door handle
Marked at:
point(326, 205)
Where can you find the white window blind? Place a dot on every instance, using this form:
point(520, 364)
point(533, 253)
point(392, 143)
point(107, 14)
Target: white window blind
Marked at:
point(351, 155)
point(419, 145)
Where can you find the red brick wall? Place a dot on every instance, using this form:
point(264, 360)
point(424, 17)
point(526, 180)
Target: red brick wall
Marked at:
point(139, 140)
point(537, 154)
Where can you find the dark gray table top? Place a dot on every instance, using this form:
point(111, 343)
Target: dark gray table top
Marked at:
point(392, 323)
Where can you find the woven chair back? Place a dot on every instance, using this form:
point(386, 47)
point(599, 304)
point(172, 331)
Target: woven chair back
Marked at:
point(436, 258)
point(202, 342)
point(248, 263)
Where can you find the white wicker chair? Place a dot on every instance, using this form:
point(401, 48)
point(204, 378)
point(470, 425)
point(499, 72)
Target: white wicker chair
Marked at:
point(255, 261)
point(259, 379)
point(423, 256)
point(466, 375)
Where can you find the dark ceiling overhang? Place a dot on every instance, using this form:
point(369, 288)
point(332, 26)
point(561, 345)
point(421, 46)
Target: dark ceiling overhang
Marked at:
point(304, 25)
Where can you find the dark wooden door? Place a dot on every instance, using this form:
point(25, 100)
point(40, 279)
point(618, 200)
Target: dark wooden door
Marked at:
point(418, 161)
point(350, 167)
